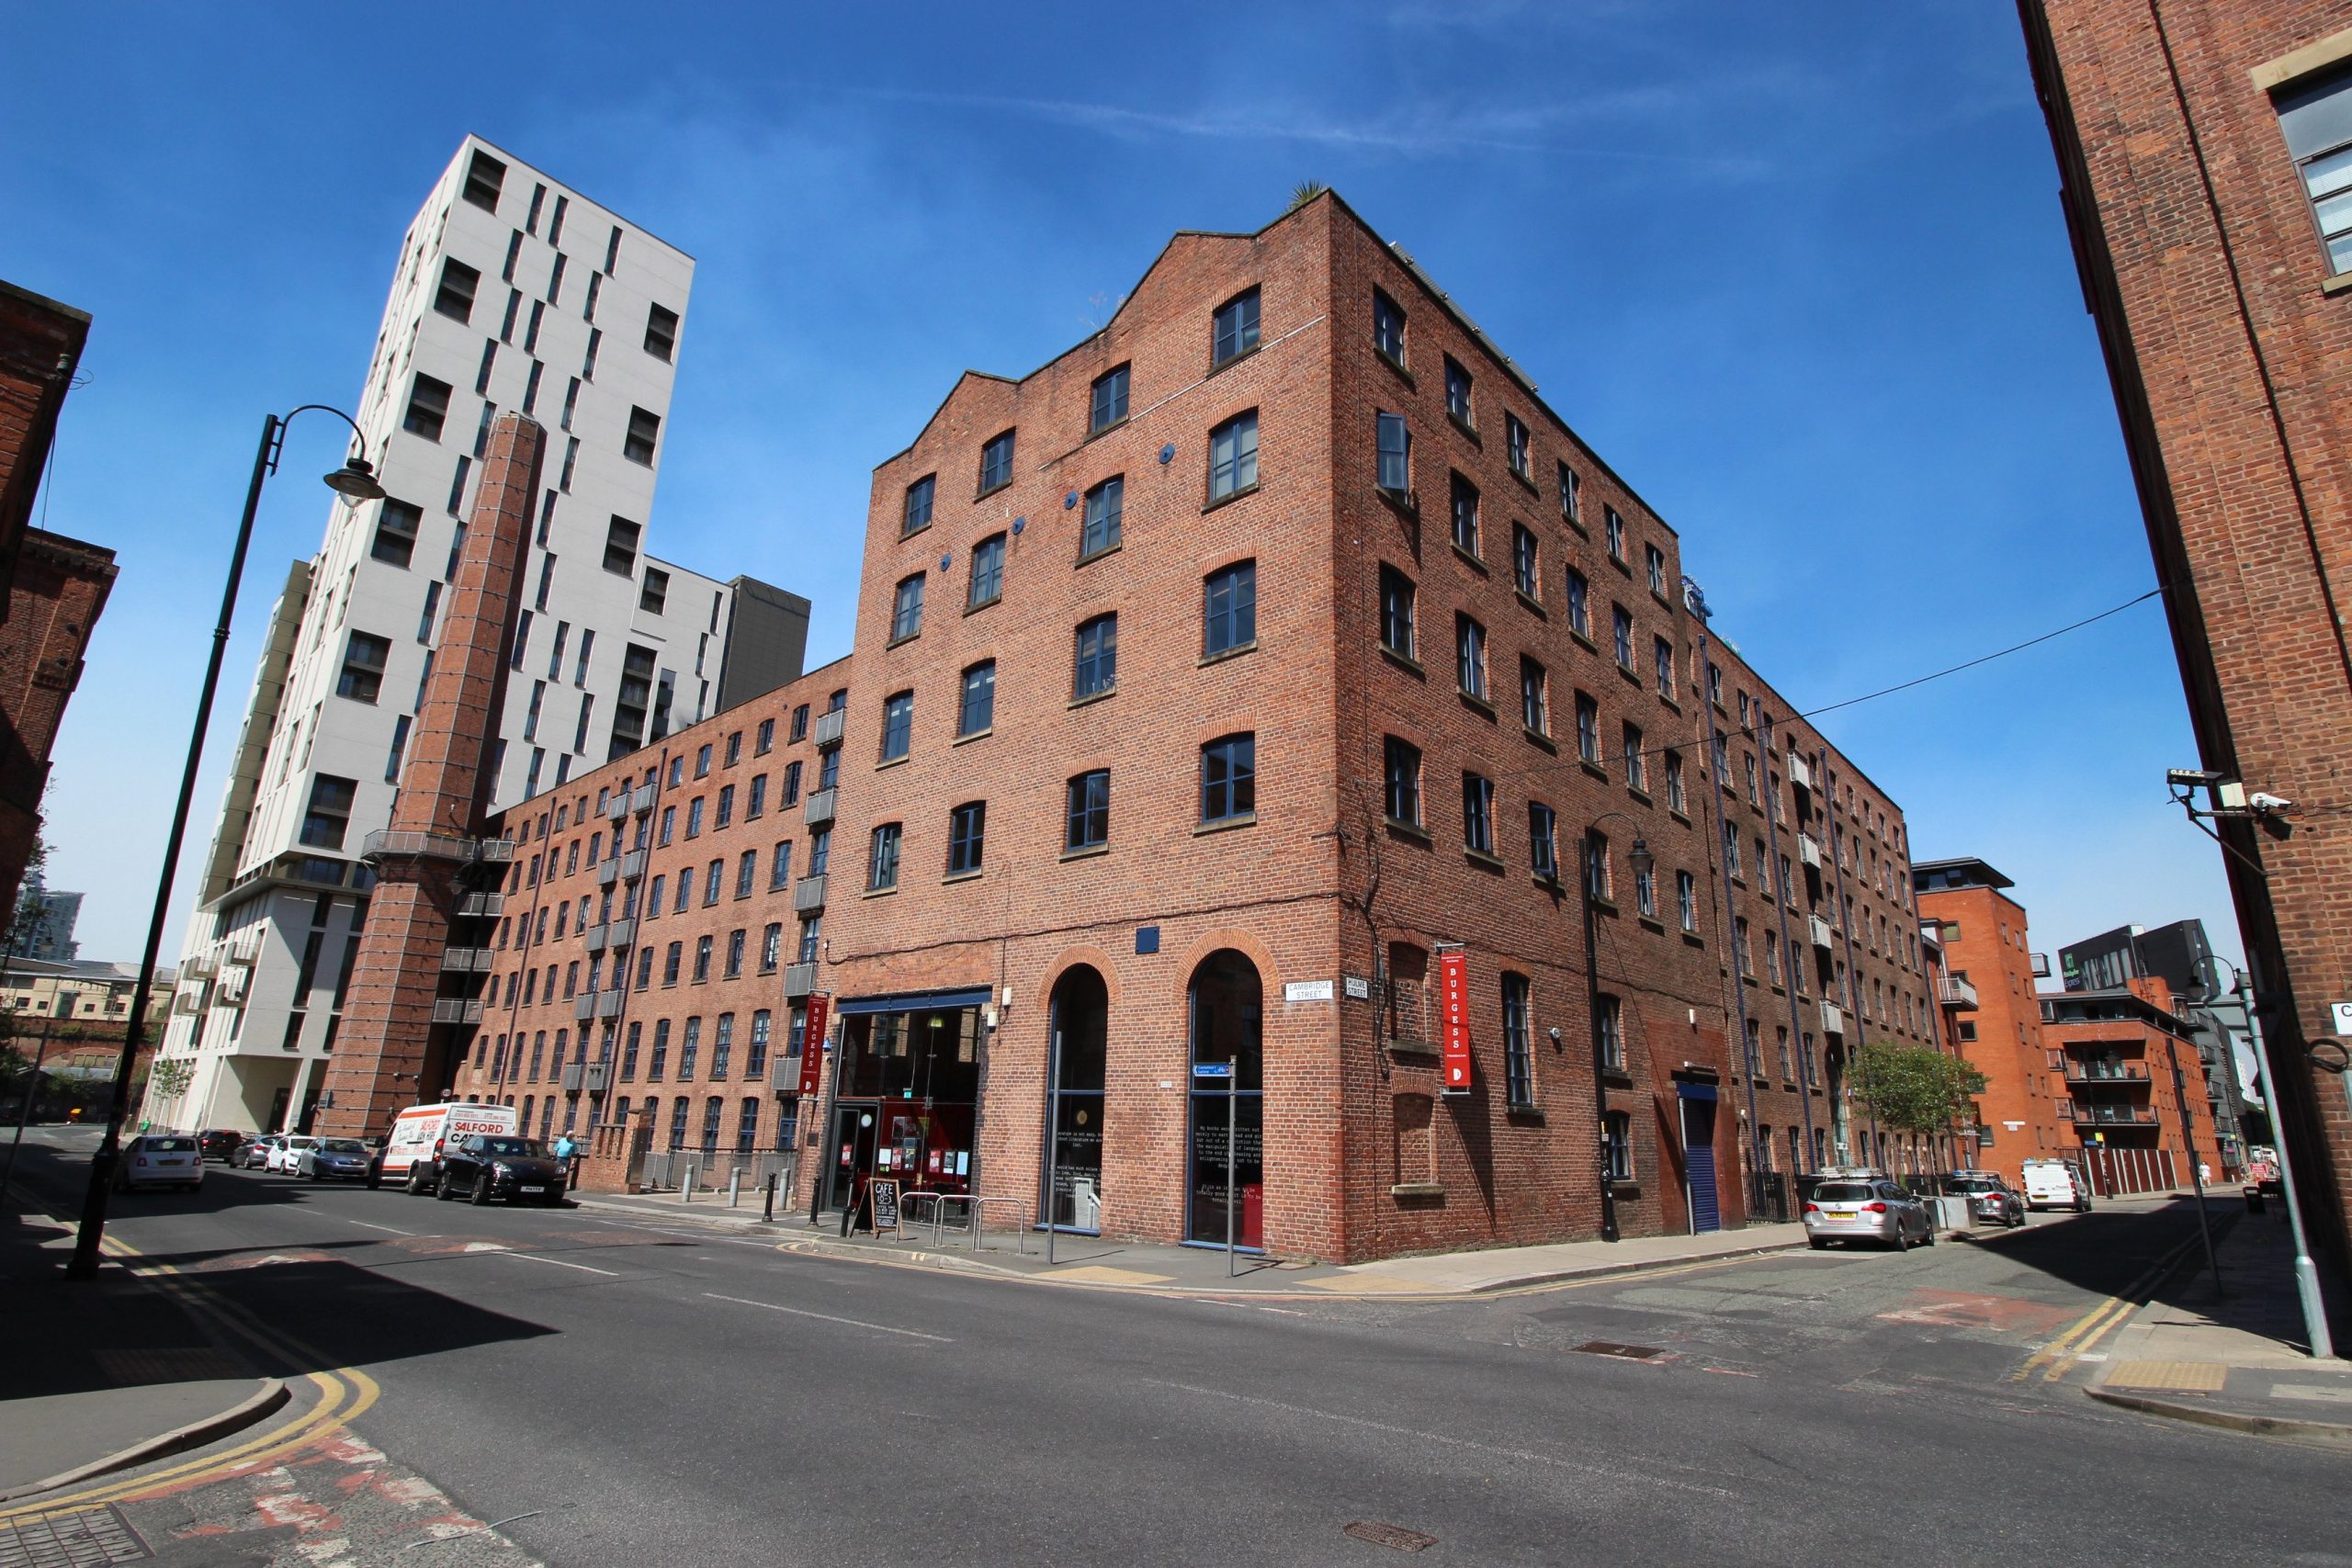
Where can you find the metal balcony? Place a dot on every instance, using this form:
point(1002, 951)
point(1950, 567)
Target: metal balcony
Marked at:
point(389, 843)
point(1956, 993)
point(456, 1010)
point(469, 959)
point(608, 1003)
point(480, 904)
point(1800, 771)
point(1824, 934)
point(595, 937)
point(829, 728)
point(243, 948)
point(608, 873)
point(230, 992)
point(820, 809)
point(1833, 1018)
point(2112, 1116)
point(620, 933)
point(799, 979)
point(1809, 850)
point(632, 866)
point(640, 801)
point(2133, 1073)
point(200, 969)
point(2041, 966)
point(808, 893)
point(584, 1006)
point(616, 809)
point(187, 1001)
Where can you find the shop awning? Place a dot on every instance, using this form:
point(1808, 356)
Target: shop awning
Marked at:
point(914, 1002)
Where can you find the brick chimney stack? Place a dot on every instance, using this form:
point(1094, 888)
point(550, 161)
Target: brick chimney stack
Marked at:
point(390, 1051)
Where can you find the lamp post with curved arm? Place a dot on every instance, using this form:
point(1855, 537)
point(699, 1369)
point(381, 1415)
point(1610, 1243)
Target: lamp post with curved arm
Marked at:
point(354, 481)
point(1643, 861)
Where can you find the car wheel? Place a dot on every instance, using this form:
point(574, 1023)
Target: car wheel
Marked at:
point(1931, 1235)
point(442, 1190)
point(480, 1198)
point(416, 1183)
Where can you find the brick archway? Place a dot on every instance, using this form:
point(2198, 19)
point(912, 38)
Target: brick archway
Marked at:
point(1069, 958)
point(1241, 942)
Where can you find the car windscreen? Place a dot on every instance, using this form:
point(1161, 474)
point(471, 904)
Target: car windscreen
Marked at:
point(1844, 1192)
point(341, 1146)
point(171, 1145)
point(1975, 1184)
point(512, 1147)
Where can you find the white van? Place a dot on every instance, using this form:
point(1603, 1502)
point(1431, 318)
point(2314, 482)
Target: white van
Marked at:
point(412, 1152)
point(2056, 1184)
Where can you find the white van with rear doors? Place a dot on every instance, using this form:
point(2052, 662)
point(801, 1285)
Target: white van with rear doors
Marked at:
point(2056, 1184)
point(412, 1152)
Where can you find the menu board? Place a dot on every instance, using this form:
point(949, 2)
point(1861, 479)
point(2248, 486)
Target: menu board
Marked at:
point(885, 1191)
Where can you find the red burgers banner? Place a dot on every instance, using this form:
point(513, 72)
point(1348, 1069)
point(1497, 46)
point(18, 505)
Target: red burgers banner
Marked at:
point(1454, 1008)
point(812, 1045)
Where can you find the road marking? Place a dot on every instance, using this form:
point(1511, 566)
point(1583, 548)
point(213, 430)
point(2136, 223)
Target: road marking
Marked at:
point(535, 1257)
point(1525, 1455)
point(828, 1317)
point(373, 1226)
point(2053, 1360)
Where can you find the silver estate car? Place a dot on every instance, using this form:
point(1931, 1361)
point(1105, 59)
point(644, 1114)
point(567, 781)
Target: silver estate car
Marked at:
point(1866, 1211)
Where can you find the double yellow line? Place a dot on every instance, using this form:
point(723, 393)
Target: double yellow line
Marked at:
point(343, 1393)
point(2057, 1358)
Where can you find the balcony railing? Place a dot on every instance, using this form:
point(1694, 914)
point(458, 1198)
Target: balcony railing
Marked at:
point(469, 959)
point(820, 806)
point(620, 933)
point(479, 903)
point(609, 872)
point(1800, 771)
point(2113, 1116)
point(1956, 993)
point(456, 1010)
point(200, 968)
point(1833, 1018)
point(1824, 934)
point(402, 843)
point(585, 1006)
point(799, 979)
point(1809, 850)
point(642, 801)
point(632, 866)
point(616, 809)
point(808, 893)
point(595, 937)
point(829, 728)
point(2106, 1072)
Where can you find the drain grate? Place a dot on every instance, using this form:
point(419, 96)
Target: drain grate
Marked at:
point(1622, 1352)
point(1382, 1534)
point(92, 1537)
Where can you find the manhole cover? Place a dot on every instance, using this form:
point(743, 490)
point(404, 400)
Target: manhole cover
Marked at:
point(90, 1539)
point(1623, 1352)
point(1381, 1534)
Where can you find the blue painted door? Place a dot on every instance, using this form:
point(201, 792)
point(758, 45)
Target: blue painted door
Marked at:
point(1698, 1106)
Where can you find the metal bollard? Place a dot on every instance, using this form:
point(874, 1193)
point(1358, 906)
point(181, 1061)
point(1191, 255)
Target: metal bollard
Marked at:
point(686, 1187)
point(735, 1187)
point(768, 1213)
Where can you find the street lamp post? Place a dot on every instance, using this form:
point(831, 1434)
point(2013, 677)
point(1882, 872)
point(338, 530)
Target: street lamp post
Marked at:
point(2306, 1275)
point(355, 481)
point(1643, 861)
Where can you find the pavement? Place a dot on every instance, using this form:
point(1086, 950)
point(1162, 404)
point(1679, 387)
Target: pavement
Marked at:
point(2237, 1357)
point(1085, 1260)
point(104, 1376)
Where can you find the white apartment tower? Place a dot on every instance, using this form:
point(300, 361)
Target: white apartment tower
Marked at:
point(511, 292)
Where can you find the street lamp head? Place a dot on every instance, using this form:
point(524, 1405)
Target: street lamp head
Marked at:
point(1641, 856)
point(354, 481)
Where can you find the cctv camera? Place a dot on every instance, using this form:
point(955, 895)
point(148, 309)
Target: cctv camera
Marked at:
point(2264, 803)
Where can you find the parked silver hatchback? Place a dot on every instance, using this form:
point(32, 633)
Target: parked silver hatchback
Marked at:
point(1866, 1211)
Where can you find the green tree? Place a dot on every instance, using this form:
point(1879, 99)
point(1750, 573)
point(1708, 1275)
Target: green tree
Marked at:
point(1914, 1088)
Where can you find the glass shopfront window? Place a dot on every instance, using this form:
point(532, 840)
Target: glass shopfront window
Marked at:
point(908, 1086)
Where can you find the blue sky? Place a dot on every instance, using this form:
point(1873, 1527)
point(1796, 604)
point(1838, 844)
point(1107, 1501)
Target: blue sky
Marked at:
point(1798, 272)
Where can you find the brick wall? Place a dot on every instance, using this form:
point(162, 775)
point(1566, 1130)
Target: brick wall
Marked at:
point(2228, 340)
point(1984, 942)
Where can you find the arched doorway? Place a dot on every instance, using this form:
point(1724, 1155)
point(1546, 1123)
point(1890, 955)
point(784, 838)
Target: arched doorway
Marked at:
point(1225, 1180)
point(1072, 1176)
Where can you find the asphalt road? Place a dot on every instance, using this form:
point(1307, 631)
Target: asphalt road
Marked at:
point(658, 1394)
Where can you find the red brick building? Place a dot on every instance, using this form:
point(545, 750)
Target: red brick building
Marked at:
point(2202, 151)
point(2122, 1065)
point(1218, 687)
point(1987, 984)
point(53, 588)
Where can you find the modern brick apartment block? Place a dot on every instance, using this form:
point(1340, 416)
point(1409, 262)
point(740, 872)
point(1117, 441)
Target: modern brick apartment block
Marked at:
point(651, 947)
point(1216, 687)
point(1996, 1018)
point(2178, 954)
point(512, 293)
point(2202, 151)
point(2121, 1066)
point(53, 588)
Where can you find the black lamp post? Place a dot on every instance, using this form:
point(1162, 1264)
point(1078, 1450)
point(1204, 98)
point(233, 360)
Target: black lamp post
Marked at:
point(356, 483)
point(1643, 862)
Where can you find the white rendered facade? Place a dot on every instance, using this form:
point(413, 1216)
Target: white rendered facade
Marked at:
point(512, 293)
